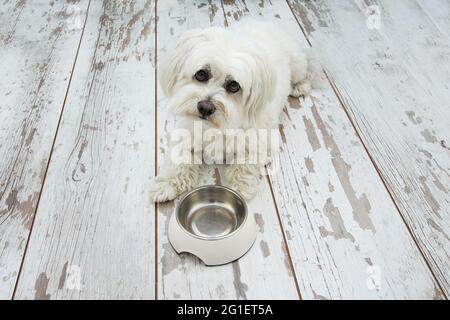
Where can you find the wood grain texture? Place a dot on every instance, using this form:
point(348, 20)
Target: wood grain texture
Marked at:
point(37, 50)
point(93, 233)
point(265, 271)
point(438, 11)
point(393, 82)
point(344, 233)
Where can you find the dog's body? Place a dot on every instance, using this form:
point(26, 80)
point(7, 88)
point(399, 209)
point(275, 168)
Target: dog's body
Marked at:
point(236, 78)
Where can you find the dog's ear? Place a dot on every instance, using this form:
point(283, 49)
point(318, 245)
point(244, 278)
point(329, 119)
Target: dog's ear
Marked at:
point(173, 62)
point(263, 86)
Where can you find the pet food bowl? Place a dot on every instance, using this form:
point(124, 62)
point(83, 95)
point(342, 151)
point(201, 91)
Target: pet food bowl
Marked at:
point(212, 223)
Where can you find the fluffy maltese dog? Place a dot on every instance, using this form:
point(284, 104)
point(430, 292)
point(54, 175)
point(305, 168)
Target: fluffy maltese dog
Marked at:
point(222, 79)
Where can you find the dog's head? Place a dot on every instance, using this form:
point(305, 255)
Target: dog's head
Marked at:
point(217, 76)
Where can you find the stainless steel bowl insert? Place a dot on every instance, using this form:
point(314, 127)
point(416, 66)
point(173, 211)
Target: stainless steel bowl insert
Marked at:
point(211, 212)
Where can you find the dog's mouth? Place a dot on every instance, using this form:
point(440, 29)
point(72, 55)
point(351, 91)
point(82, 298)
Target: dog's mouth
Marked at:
point(209, 120)
point(199, 116)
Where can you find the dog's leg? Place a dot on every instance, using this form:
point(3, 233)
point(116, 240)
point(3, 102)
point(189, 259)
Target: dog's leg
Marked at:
point(300, 80)
point(173, 181)
point(244, 178)
point(301, 89)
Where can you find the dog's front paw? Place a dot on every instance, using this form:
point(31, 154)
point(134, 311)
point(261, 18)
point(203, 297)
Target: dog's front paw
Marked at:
point(248, 192)
point(301, 89)
point(162, 190)
point(244, 179)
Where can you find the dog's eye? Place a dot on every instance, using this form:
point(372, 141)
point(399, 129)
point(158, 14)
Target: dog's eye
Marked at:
point(202, 75)
point(232, 86)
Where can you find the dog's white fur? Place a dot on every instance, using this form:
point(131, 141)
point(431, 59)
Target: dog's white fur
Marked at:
point(267, 64)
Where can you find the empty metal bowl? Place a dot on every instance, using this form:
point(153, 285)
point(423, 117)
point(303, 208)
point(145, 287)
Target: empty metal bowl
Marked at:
point(211, 212)
point(212, 222)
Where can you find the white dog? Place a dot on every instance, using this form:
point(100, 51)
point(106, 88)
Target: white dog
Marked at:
point(234, 78)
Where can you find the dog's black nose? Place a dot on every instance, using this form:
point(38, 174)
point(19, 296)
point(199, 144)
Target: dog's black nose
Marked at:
point(206, 108)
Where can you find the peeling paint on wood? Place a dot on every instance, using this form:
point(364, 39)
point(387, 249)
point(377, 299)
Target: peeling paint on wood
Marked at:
point(329, 267)
point(311, 133)
point(336, 215)
point(309, 165)
point(240, 287)
point(260, 222)
point(189, 278)
point(34, 66)
point(62, 277)
point(393, 86)
point(264, 248)
point(84, 220)
point(41, 288)
point(337, 224)
point(361, 206)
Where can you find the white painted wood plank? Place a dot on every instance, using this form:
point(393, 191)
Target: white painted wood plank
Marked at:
point(38, 46)
point(93, 237)
point(265, 271)
point(438, 11)
point(394, 84)
point(344, 233)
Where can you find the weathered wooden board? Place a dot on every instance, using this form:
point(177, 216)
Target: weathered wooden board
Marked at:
point(94, 228)
point(393, 82)
point(265, 272)
point(344, 233)
point(95, 235)
point(38, 45)
point(438, 11)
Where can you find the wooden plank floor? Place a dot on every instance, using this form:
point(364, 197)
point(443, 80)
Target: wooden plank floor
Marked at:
point(179, 275)
point(360, 208)
point(396, 93)
point(38, 49)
